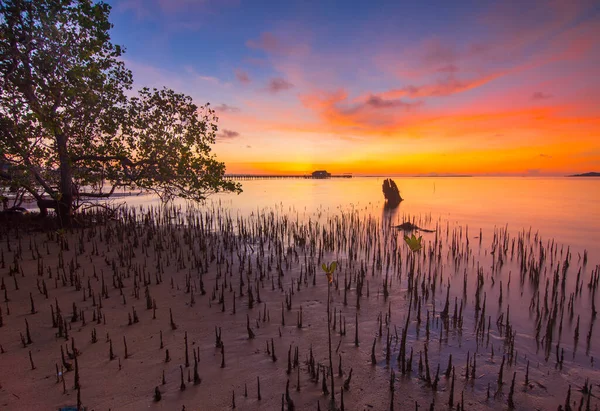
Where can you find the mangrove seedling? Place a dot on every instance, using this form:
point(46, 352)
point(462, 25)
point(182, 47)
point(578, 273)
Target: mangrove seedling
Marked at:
point(329, 269)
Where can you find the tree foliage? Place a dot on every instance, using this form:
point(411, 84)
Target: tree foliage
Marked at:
point(68, 129)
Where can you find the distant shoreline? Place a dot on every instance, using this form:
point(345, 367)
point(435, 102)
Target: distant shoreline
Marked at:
point(591, 174)
point(336, 176)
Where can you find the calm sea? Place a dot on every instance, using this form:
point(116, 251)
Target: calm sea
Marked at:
point(565, 209)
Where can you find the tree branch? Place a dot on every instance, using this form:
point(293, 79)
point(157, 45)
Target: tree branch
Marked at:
point(38, 177)
point(124, 160)
point(98, 195)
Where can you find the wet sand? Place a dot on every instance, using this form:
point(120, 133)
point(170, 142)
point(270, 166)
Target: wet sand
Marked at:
point(277, 260)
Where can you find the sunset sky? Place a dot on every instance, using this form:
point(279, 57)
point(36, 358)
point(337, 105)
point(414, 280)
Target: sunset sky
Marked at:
point(376, 87)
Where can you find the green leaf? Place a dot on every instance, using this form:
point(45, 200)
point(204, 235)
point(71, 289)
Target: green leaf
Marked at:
point(414, 243)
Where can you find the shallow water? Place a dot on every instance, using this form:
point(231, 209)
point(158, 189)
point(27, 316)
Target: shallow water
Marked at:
point(528, 212)
point(564, 208)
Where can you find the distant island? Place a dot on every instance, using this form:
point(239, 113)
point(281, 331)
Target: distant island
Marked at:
point(590, 174)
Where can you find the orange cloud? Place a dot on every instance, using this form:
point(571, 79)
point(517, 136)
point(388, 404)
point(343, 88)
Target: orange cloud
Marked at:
point(446, 86)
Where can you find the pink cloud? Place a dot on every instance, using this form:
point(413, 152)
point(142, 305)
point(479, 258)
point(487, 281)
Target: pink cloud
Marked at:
point(242, 76)
point(278, 84)
point(226, 108)
point(228, 134)
point(339, 113)
point(284, 44)
point(506, 34)
point(445, 86)
point(147, 9)
point(266, 42)
point(540, 95)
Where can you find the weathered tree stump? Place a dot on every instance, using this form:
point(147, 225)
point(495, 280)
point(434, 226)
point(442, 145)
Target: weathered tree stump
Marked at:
point(391, 193)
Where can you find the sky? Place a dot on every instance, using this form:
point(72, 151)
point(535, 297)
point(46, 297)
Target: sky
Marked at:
point(380, 87)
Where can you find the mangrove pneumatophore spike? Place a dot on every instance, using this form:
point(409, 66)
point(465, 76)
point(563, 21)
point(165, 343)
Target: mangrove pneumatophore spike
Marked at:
point(187, 358)
point(356, 330)
point(222, 355)
point(250, 332)
point(182, 385)
point(449, 368)
point(501, 372)
point(33, 311)
point(197, 379)
point(347, 381)
point(27, 333)
point(451, 398)
point(173, 325)
point(31, 361)
point(373, 359)
point(76, 379)
point(511, 403)
point(111, 354)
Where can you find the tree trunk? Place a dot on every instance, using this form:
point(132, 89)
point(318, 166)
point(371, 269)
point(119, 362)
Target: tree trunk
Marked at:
point(65, 203)
point(44, 205)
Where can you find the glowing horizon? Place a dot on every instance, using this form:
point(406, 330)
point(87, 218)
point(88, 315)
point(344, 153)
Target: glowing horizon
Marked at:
point(478, 89)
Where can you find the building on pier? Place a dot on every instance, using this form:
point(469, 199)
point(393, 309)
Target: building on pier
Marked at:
point(321, 174)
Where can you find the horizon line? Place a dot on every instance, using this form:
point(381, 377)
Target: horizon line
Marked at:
point(449, 175)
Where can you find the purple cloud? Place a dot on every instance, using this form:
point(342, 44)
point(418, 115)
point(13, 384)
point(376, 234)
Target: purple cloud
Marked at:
point(378, 102)
point(266, 42)
point(539, 95)
point(242, 76)
point(225, 108)
point(228, 134)
point(278, 84)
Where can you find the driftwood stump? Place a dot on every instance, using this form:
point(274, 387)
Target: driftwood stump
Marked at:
point(391, 193)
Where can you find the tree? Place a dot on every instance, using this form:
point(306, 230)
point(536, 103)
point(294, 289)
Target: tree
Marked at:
point(68, 130)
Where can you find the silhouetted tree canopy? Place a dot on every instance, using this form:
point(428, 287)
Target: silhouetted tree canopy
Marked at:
point(68, 129)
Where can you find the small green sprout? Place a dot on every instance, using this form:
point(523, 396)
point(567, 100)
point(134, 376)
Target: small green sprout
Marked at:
point(329, 269)
point(414, 243)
